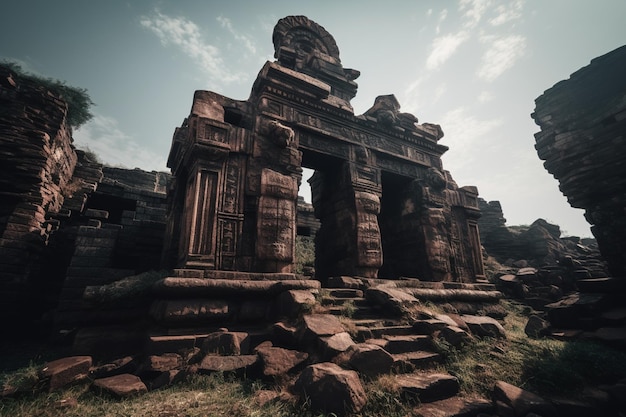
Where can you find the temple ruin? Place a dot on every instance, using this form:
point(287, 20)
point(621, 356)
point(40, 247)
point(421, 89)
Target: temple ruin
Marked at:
point(386, 206)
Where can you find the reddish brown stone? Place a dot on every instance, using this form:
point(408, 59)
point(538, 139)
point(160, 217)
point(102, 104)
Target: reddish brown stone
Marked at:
point(331, 389)
point(226, 343)
point(428, 387)
point(368, 359)
point(122, 386)
point(65, 371)
point(322, 325)
point(236, 364)
point(521, 401)
point(484, 326)
point(278, 361)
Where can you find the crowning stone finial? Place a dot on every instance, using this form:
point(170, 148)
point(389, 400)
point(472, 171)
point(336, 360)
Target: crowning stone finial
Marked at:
point(304, 36)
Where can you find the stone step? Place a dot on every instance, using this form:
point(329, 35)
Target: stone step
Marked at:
point(176, 287)
point(353, 311)
point(393, 330)
point(427, 387)
point(345, 293)
point(334, 301)
point(402, 343)
point(410, 361)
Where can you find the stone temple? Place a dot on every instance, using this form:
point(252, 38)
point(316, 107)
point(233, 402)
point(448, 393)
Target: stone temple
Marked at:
point(387, 207)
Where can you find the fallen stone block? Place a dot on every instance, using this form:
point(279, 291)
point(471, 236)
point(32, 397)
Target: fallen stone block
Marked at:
point(521, 401)
point(368, 359)
point(331, 389)
point(484, 326)
point(239, 365)
point(65, 371)
point(320, 325)
point(162, 363)
point(277, 361)
point(227, 343)
point(427, 387)
point(336, 344)
point(536, 326)
point(121, 386)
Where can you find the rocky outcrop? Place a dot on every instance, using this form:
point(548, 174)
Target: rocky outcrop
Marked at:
point(536, 245)
point(583, 143)
point(38, 161)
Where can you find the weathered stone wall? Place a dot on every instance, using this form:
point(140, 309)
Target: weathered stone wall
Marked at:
point(38, 160)
point(583, 143)
point(116, 232)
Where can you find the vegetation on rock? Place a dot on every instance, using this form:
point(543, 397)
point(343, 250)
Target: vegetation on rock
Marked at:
point(78, 101)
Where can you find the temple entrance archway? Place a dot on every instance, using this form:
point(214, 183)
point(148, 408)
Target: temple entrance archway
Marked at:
point(386, 205)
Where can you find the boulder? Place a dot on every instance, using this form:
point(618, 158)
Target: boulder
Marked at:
point(121, 386)
point(454, 335)
point(484, 326)
point(520, 401)
point(335, 344)
point(226, 343)
point(65, 371)
point(277, 361)
point(331, 389)
point(368, 359)
point(536, 326)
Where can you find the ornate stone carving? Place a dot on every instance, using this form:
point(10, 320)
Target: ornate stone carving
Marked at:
point(379, 191)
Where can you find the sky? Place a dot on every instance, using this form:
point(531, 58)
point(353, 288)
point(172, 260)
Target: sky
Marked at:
point(474, 67)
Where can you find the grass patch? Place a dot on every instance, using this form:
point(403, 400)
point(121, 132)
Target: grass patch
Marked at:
point(543, 366)
point(200, 396)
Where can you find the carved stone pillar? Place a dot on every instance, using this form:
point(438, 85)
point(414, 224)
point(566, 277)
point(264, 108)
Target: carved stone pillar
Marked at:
point(348, 242)
point(276, 222)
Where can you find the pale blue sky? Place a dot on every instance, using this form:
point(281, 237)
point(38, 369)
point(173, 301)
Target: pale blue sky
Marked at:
point(472, 66)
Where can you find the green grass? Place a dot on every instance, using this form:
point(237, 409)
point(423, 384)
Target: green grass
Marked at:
point(543, 366)
point(211, 395)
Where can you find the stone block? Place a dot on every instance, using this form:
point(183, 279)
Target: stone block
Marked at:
point(121, 386)
point(65, 371)
point(427, 387)
point(331, 389)
point(227, 343)
point(276, 361)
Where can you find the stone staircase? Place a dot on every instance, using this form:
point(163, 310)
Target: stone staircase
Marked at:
point(219, 323)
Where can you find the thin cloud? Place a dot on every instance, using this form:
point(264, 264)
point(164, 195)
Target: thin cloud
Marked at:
point(444, 47)
point(103, 136)
point(485, 97)
point(442, 18)
point(473, 11)
point(502, 53)
point(508, 12)
point(187, 36)
point(463, 133)
point(243, 39)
